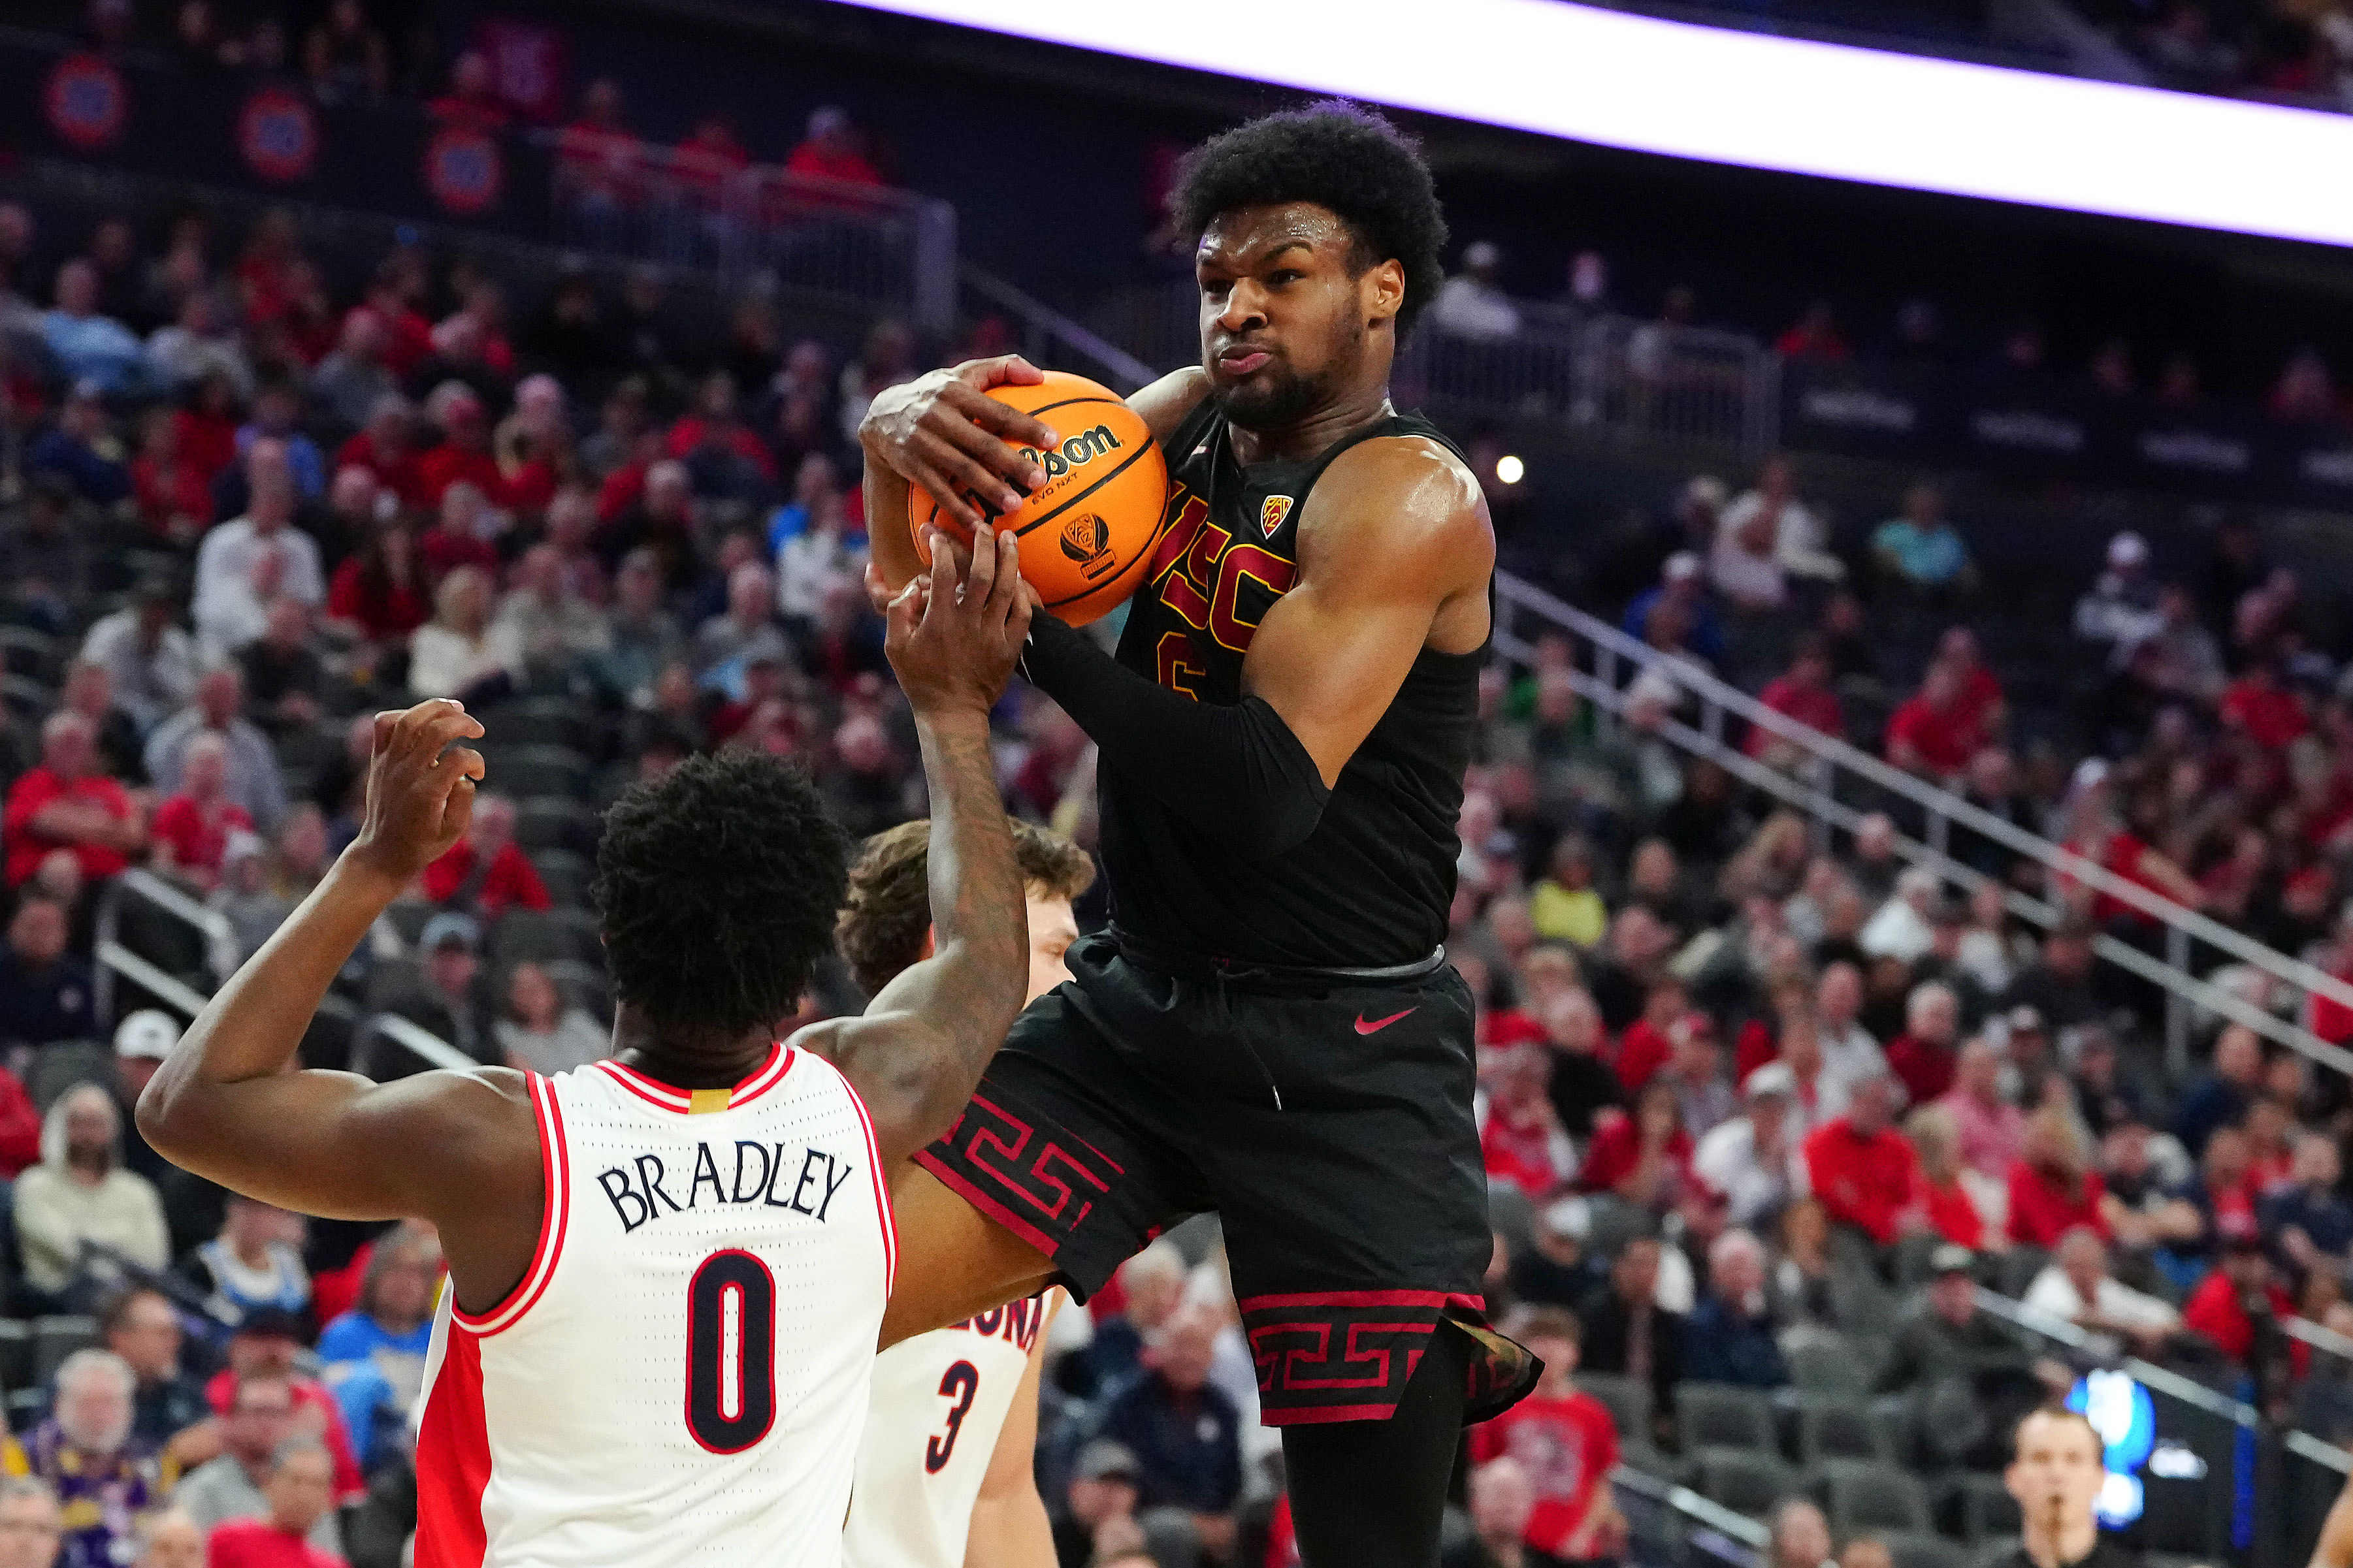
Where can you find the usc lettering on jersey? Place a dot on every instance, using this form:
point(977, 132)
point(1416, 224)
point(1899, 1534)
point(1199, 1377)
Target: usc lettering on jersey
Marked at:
point(940, 1401)
point(682, 1376)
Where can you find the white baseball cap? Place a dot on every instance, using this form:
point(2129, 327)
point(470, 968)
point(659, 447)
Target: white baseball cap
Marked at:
point(147, 1034)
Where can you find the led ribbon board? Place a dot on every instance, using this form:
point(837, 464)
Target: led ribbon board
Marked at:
point(1729, 97)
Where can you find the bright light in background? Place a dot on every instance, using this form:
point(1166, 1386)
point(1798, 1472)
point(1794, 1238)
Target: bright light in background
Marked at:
point(1510, 470)
point(1764, 102)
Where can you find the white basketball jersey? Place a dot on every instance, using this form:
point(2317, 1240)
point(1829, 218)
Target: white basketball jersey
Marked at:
point(681, 1375)
point(940, 1400)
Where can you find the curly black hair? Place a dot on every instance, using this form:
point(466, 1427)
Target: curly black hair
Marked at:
point(1338, 155)
point(716, 888)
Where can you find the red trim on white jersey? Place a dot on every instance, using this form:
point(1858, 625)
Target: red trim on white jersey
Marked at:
point(554, 1158)
point(453, 1461)
point(881, 1190)
point(769, 1074)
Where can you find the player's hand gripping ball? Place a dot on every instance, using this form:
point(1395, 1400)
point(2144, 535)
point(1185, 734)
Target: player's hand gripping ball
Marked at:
point(1087, 534)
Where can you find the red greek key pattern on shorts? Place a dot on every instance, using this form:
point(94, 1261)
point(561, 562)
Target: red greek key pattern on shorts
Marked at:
point(1030, 1181)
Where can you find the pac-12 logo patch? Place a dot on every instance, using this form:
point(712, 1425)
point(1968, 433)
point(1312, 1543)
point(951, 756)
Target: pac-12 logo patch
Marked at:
point(1271, 513)
point(1086, 540)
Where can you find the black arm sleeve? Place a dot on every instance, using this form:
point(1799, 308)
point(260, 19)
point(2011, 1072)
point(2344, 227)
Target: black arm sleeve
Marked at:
point(1237, 773)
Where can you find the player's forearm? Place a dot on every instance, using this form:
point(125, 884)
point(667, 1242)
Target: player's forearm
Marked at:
point(1237, 772)
point(254, 1025)
point(887, 533)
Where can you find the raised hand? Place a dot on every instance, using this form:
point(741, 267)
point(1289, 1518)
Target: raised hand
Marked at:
point(419, 797)
point(941, 432)
point(956, 632)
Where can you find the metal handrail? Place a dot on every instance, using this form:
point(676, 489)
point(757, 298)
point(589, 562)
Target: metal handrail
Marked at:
point(421, 1041)
point(1124, 366)
point(1941, 804)
point(1738, 1528)
point(173, 901)
point(1826, 808)
point(2188, 1390)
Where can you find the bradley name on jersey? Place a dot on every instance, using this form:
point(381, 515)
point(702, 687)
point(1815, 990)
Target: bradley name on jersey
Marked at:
point(764, 1175)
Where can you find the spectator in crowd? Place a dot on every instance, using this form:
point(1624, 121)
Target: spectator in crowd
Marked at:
point(345, 58)
point(151, 664)
point(1802, 693)
point(1582, 1085)
point(2053, 1188)
point(2220, 1096)
point(300, 1492)
point(80, 1195)
point(65, 802)
point(350, 382)
point(379, 594)
point(254, 1263)
point(1800, 1536)
point(191, 830)
point(2077, 1287)
point(253, 782)
point(195, 346)
point(1102, 1496)
point(82, 449)
point(2240, 1307)
point(86, 1454)
point(285, 679)
point(486, 872)
point(1944, 1335)
point(746, 630)
point(1471, 302)
point(2121, 608)
point(1552, 1269)
point(32, 1528)
point(1625, 1332)
point(464, 652)
point(540, 1032)
point(441, 1000)
point(830, 151)
point(1682, 590)
point(1991, 1131)
point(44, 554)
point(1751, 1158)
point(85, 344)
point(390, 1327)
point(1183, 1429)
point(1920, 550)
point(1730, 1335)
point(1865, 1173)
point(1563, 1443)
point(1923, 1056)
point(170, 1539)
point(267, 1343)
point(1566, 906)
point(1520, 1134)
point(250, 560)
point(46, 993)
point(2308, 1223)
point(1503, 1501)
point(1815, 336)
point(261, 1418)
point(1939, 728)
point(555, 627)
point(1799, 539)
point(1743, 566)
point(168, 1410)
point(277, 418)
point(1641, 1156)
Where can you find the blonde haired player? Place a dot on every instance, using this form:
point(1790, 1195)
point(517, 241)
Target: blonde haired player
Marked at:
point(668, 1269)
point(947, 1475)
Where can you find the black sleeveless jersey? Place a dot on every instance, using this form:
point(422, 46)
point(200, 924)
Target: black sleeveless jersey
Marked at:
point(1371, 886)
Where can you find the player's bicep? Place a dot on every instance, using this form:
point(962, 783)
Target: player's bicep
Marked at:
point(1330, 662)
point(891, 1055)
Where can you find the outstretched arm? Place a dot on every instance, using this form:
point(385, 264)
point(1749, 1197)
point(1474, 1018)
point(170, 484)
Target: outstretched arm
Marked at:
point(459, 1149)
point(2334, 1547)
point(1395, 551)
point(916, 1053)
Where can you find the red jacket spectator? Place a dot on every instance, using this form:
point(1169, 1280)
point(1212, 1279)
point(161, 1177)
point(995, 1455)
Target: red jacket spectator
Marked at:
point(20, 1126)
point(2269, 714)
point(710, 156)
point(379, 604)
point(1954, 1214)
point(1940, 740)
point(445, 465)
point(509, 883)
point(197, 845)
point(407, 335)
point(207, 440)
point(1865, 1179)
point(395, 468)
point(220, 1391)
point(691, 431)
point(442, 552)
point(1617, 1149)
point(2215, 1309)
point(1814, 706)
point(166, 490)
point(27, 846)
point(2045, 1206)
point(258, 1544)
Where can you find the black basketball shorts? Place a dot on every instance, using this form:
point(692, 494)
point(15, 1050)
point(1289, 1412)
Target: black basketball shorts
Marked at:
point(1328, 1121)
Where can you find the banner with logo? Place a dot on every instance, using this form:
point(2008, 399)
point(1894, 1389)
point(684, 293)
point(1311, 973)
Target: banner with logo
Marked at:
point(464, 170)
point(86, 102)
point(277, 134)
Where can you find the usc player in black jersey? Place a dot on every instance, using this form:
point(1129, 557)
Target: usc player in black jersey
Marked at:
point(1270, 1027)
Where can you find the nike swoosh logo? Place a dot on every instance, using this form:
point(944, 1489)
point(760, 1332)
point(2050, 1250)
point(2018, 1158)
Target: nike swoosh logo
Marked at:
point(1377, 1024)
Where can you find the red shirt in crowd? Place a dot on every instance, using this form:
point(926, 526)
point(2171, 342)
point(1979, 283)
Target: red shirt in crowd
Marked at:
point(693, 430)
point(1641, 1052)
point(407, 335)
point(1865, 1180)
point(2215, 1310)
point(1526, 1153)
point(1617, 1149)
point(25, 847)
point(1569, 1445)
point(2119, 856)
point(440, 552)
point(846, 165)
point(1946, 739)
point(1926, 1070)
point(393, 611)
point(509, 883)
point(1980, 695)
point(198, 845)
point(258, 1544)
point(207, 442)
point(168, 490)
point(2271, 715)
point(396, 471)
point(1815, 707)
point(2043, 1208)
point(20, 1126)
point(443, 466)
point(220, 1391)
point(1955, 1215)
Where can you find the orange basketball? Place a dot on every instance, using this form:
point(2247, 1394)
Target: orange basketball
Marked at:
point(1088, 532)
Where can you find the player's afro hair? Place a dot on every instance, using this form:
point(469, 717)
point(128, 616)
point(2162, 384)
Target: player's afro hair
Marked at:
point(716, 888)
point(1337, 155)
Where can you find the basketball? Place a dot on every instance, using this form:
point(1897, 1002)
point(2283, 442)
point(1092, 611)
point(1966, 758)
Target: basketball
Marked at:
point(1087, 532)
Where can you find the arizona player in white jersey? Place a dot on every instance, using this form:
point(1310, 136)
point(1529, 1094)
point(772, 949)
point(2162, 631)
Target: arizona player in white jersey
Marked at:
point(946, 1476)
point(668, 1272)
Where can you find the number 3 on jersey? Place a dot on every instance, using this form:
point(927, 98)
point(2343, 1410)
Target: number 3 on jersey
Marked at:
point(731, 1352)
point(962, 1382)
